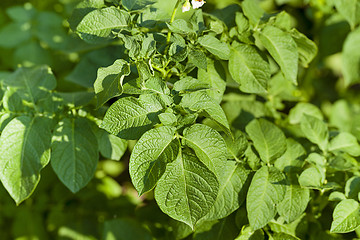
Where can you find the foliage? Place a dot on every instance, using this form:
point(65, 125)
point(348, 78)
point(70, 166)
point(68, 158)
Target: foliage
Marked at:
point(230, 122)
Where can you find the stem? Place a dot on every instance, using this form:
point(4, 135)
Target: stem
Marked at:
point(172, 19)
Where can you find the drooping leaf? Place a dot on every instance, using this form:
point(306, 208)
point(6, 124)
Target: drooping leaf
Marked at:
point(25, 150)
point(269, 140)
point(130, 117)
point(315, 130)
point(108, 83)
point(201, 101)
point(346, 216)
point(294, 203)
point(208, 145)
point(99, 24)
point(74, 155)
point(231, 193)
point(283, 49)
point(154, 150)
point(110, 146)
point(249, 68)
point(187, 189)
point(215, 46)
point(266, 190)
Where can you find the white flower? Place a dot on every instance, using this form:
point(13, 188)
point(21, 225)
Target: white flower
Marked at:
point(197, 3)
point(186, 7)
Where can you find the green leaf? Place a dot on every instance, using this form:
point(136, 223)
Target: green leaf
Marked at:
point(33, 84)
point(208, 145)
point(148, 47)
point(252, 11)
point(215, 46)
point(312, 177)
point(99, 24)
point(293, 159)
point(346, 216)
point(25, 150)
point(198, 58)
point(241, 22)
point(156, 148)
point(236, 145)
point(201, 101)
point(248, 67)
point(268, 139)
point(298, 111)
point(266, 190)
point(215, 76)
point(124, 229)
point(14, 34)
point(315, 130)
point(350, 10)
point(187, 190)
point(130, 117)
point(351, 58)
point(111, 146)
point(74, 155)
point(345, 142)
point(82, 9)
point(109, 81)
point(231, 191)
point(307, 48)
point(224, 229)
point(181, 26)
point(135, 5)
point(352, 187)
point(283, 49)
point(190, 84)
point(294, 203)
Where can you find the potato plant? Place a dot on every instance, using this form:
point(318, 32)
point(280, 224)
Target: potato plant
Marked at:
point(154, 119)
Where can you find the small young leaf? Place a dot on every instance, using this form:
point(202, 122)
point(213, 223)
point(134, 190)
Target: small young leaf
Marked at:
point(297, 112)
point(315, 130)
point(187, 190)
point(249, 68)
point(208, 145)
point(269, 140)
point(283, 49)
point(25, 150)
point(346, 216)
point(215, 46)
point(129, 117)
point(99, 24)
point(74, 155)
point(151, 153)
point(266, 190)
point(108, 83)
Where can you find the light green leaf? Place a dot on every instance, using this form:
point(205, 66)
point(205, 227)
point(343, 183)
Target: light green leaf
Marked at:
point(350, 10)
point(100, 23)
point(201, 101)
point(336, 196)
point(266, 190)
point(181, 26)
point(134, 5)
point(130, 117)
point(231, 191)
point(108, 83)
point(252, 11)
point(346, 216)
point(74, 155)
point(124, 229)
point(315, 130)
point(236, 145)
point(307, 48)
point(297, 112)
point(110, 146)
point(241, 22)
point(352, 187)
point(283, 49)
point(215, 46)
point(248, 234)
point(215, 76)
point(268, 139)
point(190, 84)
point(345, 142)
point(25, 150)
point(351, 58)
point(187, 190)
point(148, 47)
point(198, 58)
point(294, 203)
point(312, 177)
point(208, 145)
point(156, 148)
point(293, 159)
point(249, 69)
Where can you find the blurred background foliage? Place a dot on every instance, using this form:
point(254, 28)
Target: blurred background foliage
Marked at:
point(37, 32)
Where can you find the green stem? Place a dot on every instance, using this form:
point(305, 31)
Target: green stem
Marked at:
point(172, 19)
